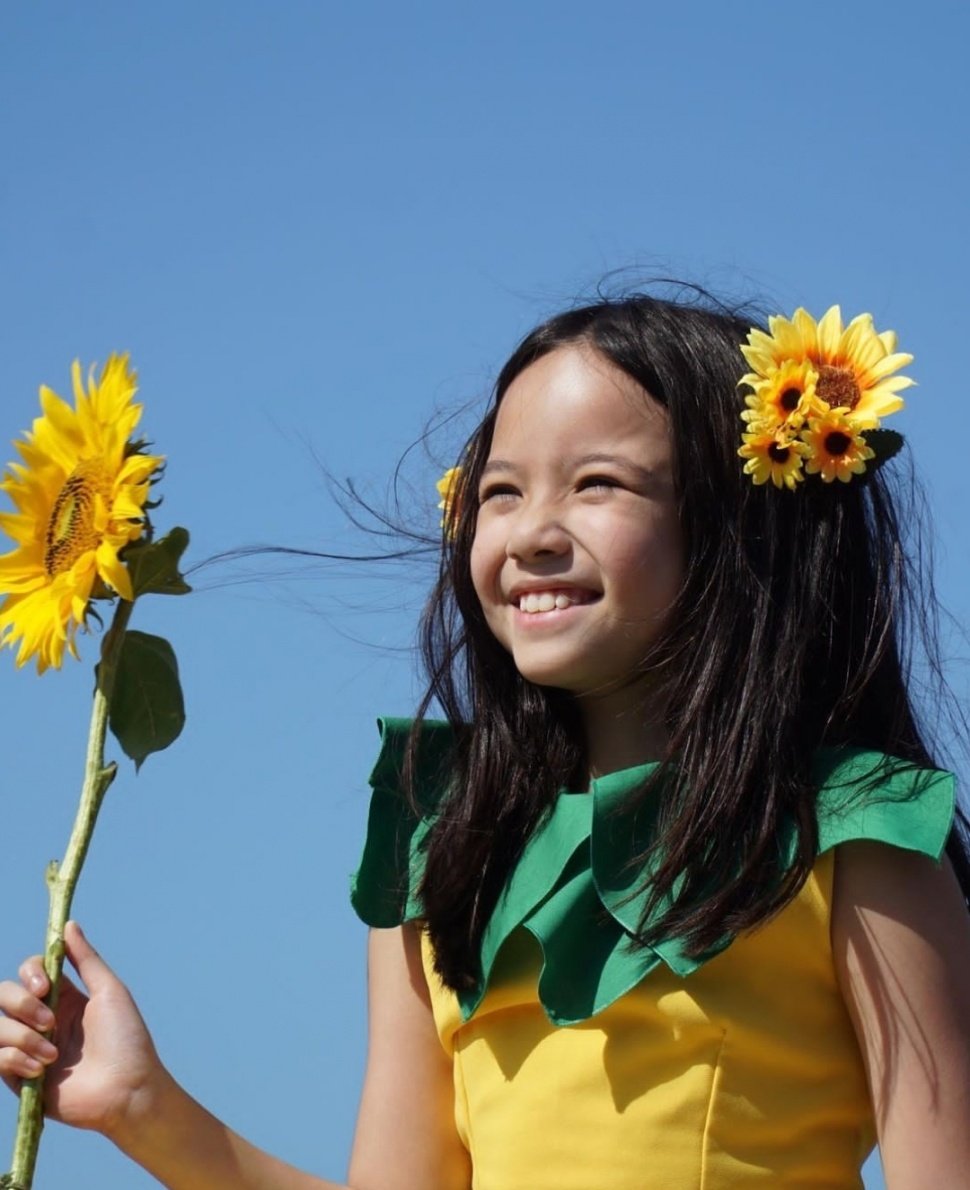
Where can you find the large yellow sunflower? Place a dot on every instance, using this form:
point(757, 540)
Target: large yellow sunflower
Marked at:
point(80, 495)
point(855, 364)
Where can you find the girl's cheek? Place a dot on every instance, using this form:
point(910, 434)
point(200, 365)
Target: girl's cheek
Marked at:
point(478, 567)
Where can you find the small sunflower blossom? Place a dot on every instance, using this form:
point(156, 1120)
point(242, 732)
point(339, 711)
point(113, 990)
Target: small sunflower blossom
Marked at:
point(449, 504)
point(783, 400)
point(819, 384)
point(80, 494)
point(772, 456)
point(836, 449)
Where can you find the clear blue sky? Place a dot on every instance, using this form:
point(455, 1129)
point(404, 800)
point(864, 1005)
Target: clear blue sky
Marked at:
point(315, 226)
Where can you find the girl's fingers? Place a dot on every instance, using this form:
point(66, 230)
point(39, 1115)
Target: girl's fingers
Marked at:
point(95, 972)
point(19, 1004)
point(86, 960)
point(18, 1039)
point(23, 1052)
point(15, 1064)
point(33, 975)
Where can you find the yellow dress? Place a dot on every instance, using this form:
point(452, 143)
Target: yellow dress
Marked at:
point(580, 1064)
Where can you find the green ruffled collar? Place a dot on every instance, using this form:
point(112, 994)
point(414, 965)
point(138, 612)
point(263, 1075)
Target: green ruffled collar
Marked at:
point(575, 866)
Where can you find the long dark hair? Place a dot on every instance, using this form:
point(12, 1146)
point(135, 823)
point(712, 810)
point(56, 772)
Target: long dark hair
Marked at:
point(791, 632)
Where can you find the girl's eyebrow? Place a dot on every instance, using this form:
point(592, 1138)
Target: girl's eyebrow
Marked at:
point(498, 465)
point(643, 475)
point(586, 460)
point(614, 460)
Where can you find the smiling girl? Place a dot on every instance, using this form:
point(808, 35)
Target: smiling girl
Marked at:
point(673, 896)
point(578, 509)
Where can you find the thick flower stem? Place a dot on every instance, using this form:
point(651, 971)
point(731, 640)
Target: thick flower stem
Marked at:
point(61, 882)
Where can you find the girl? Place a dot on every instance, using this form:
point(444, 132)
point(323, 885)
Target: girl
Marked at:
point(659, 905)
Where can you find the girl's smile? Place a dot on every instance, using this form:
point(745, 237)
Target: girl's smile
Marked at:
point(542, 600)
point(577, 554)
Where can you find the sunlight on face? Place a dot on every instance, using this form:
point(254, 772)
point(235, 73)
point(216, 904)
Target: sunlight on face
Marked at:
point(578, 554)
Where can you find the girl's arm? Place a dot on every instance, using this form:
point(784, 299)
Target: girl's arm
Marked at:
point(406, 1137)
point(105, 1075)
point(901, 941)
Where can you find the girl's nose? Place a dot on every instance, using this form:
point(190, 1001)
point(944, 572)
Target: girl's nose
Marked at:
point(536, 532)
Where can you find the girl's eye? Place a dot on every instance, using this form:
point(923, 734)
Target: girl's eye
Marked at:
point(497, 491)
point(592, 482)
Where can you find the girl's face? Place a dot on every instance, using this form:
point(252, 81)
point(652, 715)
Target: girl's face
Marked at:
point(578, 554)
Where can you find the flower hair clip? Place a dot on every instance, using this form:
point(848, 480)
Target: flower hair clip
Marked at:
point(818, 394)
point(449, 504)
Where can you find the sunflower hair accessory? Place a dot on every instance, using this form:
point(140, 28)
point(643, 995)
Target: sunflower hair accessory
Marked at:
point(818, 394)
point(449, 503)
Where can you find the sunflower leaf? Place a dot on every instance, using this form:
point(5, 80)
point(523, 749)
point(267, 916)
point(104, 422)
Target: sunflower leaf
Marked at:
point(147, 711)
point(154, 566)
point(886, 444)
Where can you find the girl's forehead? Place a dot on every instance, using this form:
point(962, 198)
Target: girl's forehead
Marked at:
point(574, 396)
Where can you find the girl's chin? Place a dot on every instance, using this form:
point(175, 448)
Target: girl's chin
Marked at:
point(560, 675)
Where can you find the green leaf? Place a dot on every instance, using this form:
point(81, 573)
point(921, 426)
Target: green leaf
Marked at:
point(154, 566)
point(147, 711)
point(886, 444)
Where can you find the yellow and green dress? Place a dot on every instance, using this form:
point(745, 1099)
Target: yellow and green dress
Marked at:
point(582, 1063)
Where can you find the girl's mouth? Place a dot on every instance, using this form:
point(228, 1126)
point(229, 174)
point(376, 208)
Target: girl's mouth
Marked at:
point(555, 599)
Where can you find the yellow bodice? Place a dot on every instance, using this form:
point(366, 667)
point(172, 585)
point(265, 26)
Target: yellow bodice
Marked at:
point(746, 1073)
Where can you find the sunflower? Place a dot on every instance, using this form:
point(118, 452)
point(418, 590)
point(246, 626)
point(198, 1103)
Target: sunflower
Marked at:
point(447, 487)
point(80, 495)
point(773, 456)
point(855, 364)
point(785, 399)
point(836, 449)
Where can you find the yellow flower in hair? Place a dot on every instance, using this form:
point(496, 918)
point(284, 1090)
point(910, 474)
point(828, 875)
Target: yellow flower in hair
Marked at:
point(784, 399)
point(836, 449)
point(773, 456)
point(80, 495)
point(785, 340)
point(855, 365)
point(447, 487)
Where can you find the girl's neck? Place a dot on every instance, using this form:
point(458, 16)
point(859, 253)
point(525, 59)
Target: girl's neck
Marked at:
point(620, 735)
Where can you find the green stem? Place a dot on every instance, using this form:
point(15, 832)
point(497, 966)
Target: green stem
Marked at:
point(61, 882)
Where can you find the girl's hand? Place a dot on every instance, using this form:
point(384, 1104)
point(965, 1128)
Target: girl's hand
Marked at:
point(102, 1068)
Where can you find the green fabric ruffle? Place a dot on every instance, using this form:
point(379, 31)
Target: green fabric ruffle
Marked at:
point(575, 864)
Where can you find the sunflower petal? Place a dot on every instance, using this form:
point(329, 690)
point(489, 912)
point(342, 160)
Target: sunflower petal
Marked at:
point(114, 572)
point(829, 334)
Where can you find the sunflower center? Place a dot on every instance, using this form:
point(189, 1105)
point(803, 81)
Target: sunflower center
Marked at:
point(789, 399)
point(837, 443)
point(837, 386)
point(778, 454)
point(71, 530)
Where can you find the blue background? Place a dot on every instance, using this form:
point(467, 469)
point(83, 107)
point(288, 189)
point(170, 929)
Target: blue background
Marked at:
point(318, 228)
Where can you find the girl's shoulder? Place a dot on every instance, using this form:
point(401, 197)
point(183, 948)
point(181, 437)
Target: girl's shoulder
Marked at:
point(862, 794)
point(580, 851)
point(384, 887)
point(865, 794)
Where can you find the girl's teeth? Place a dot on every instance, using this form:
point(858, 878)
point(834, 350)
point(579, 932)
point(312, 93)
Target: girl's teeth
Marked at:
point(544, 602)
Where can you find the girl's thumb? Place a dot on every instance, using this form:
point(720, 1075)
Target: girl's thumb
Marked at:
point(86, 961)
